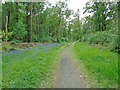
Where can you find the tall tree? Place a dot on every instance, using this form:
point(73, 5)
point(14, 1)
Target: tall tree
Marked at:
point(31, 6)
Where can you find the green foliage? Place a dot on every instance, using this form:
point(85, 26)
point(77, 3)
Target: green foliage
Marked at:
point(19, 30)
point(104, 38)
point(34, 38)
point(54, 23)
point(114, 45)
point(101, 27)
point(13, 43)
point(7, 35)
point(9, 48)
point(43, 22)
point(101, 65)
point(103, 13)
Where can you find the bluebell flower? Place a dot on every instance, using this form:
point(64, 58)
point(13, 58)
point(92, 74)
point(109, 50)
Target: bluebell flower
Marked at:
point(15, 51)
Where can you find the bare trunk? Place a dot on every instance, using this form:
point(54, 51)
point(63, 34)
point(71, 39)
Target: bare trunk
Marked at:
point(17, 11)
point(37, 26)
point(6, 28)
point(36, 31)
point(31, 24)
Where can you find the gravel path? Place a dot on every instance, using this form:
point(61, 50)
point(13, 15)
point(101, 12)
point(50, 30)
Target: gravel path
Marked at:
point(69, 76)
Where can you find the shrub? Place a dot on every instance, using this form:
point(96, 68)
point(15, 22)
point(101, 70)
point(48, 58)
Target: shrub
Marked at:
point(104, 38)
point(114, 45)
point(13, 42)
point(19, 31)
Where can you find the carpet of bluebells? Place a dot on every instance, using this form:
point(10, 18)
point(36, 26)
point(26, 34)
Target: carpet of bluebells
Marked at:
point(28, 67)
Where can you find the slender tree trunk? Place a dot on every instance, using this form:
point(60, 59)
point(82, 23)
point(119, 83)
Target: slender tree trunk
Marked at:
point(35, 25)
point(104, 23)
point(58, 29)
point(31, 24)
point(17, 11)
point(79, 33)
point(38, 27)
point(69, 36)
point(27, 24)
point(98, 21)
point(6, 29)
point(36, 31)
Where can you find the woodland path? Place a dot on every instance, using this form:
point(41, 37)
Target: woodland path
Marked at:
point(69, 75)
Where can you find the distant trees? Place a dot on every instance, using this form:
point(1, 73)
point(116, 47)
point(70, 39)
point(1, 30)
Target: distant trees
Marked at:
point(36, 21)
point(100, 27)
point(102, 12)
point(20, 20)
point(42, 22)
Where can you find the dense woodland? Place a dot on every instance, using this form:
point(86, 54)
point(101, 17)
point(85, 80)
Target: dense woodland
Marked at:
point(43, 22)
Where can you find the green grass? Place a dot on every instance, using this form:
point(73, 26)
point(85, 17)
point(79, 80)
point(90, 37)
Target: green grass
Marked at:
point(0, 72)
point(27, 68)
point(0, 66)
point(99, 64)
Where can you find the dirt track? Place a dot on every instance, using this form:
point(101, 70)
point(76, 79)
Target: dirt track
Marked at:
point(69, 76)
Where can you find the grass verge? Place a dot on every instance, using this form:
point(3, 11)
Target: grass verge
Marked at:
point(28, 68)
point(100, 65)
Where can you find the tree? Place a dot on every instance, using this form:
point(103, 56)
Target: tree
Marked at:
point(102, 13)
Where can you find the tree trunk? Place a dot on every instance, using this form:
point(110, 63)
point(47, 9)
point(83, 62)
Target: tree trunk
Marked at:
point(38, 27)
point(17, 11)
point(31, 24)
point(36, 31)
point(27, 23)
point(6, 29)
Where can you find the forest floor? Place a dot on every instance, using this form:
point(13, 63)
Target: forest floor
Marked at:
point(68, 74)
